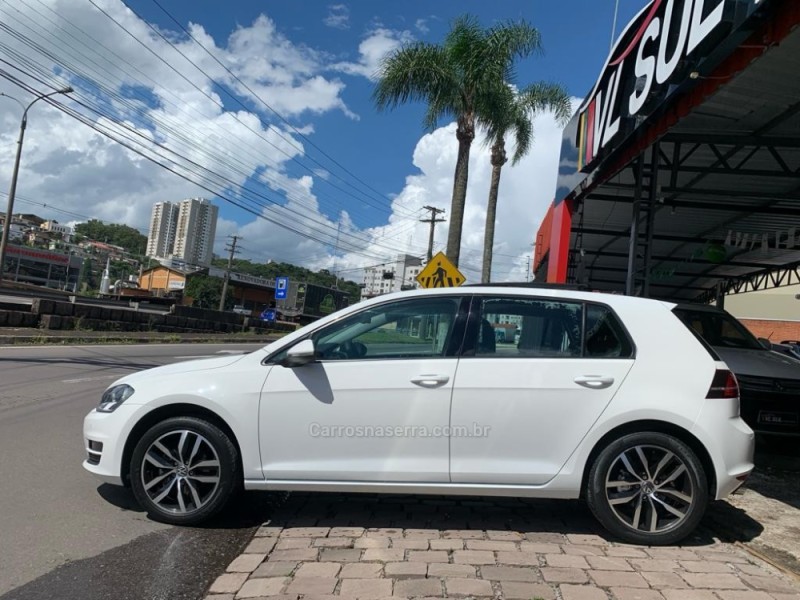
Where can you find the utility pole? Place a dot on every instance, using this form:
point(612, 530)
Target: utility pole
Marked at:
point(433, 221)
point(232, 249)
point(335, 253)
point(15, 172)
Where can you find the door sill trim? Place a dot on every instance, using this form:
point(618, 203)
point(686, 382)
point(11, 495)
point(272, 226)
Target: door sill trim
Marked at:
point(400, 487)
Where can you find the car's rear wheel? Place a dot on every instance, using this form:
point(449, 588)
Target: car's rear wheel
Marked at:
point(648, 488)
point(184, 470)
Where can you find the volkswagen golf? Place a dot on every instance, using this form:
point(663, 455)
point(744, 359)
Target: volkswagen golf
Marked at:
point(603, 397)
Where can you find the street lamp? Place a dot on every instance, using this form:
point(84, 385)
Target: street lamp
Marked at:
point(13, 189)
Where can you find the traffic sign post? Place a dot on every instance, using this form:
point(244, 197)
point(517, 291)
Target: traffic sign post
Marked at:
point(269, 315)
point(281, 288)
point(440, 273)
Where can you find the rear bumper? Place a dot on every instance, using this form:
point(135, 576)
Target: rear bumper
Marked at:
point(730, 443)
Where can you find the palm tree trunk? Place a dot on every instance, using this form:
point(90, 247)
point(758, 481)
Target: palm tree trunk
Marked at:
point(465, 134)
point(498, 160)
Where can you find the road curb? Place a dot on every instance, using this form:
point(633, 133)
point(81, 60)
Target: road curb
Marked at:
point(49, 340)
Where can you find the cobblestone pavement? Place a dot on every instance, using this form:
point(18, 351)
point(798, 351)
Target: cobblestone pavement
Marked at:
point(368, 546)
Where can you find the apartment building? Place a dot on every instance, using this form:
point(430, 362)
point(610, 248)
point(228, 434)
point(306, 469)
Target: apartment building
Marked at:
point(184, 230)
point(161, 237)
point(392, 277)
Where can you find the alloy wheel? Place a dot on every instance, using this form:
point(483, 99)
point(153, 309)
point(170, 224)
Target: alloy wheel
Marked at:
point(649, 489)
point(180, 472)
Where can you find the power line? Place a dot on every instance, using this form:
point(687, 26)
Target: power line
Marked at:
point(194, 168)
point(223, 88)
point(298, 132)
point(163, 122)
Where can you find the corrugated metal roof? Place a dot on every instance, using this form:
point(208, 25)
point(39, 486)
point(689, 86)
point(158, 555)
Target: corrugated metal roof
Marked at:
point(729, 169)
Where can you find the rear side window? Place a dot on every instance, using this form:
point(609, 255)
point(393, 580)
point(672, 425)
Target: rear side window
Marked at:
point(532, 327)
point(525, 328)
point(604, 336)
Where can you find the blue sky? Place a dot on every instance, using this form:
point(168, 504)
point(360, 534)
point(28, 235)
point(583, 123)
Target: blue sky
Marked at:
point(310, 61)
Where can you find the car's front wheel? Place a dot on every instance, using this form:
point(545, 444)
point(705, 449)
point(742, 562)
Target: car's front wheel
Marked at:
point(648, 488)
point(184, 470)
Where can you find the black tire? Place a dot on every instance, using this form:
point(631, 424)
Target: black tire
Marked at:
point(192, 463)
point(614, 503)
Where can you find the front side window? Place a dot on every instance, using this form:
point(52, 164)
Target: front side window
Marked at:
point(418, 328)
point(521, 327)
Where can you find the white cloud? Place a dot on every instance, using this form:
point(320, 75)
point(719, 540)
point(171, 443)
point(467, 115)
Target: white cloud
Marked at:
point(377, 44)
point(338, 16)
point(422, 26)
point(525, 192)
point(72, 167)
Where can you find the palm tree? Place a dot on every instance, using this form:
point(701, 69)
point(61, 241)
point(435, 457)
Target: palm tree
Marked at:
point(513, 112)
point(457, 79)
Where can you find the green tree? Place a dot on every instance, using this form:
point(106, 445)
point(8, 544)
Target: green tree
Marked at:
point(512, 112)
point(206, 291)
point(457, 79)
point(113, 233)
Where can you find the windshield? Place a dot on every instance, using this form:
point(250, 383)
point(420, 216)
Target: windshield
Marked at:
point(719, 329)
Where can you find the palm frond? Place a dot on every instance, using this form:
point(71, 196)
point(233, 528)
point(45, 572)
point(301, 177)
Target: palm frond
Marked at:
point(523, 135)
point(416, 72)
point(544, 96)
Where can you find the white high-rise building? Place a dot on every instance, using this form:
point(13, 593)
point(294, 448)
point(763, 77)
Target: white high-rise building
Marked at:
point(183, 230)
point(161, 237)
point(194, 235)
point(392, 277)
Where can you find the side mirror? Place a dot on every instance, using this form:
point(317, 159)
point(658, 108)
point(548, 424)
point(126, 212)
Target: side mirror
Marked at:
point(300, 354)
point(765, 343)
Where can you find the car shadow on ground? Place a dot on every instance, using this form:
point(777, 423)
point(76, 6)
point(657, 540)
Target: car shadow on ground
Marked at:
point(526, 516)
point(408, 511)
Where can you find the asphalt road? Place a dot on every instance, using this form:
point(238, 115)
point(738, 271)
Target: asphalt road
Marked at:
point(63, 534)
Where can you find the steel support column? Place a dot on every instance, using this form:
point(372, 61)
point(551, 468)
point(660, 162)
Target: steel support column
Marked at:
point(634, 231)
point(651, 215)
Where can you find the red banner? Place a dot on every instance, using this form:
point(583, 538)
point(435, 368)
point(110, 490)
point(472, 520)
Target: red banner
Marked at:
point(38, 255)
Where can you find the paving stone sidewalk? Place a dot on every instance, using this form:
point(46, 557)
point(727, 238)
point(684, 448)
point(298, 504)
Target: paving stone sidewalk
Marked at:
point(421, 547)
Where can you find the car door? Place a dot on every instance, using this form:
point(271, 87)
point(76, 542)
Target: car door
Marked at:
point(375, 405)
point(525, 397)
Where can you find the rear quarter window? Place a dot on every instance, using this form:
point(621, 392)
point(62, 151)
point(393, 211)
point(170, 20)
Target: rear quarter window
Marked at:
point(604, 335)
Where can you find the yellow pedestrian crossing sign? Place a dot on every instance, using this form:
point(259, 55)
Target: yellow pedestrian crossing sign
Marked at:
point(440, 272)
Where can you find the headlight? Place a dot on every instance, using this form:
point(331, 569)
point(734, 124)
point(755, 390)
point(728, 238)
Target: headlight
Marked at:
point(113, 397)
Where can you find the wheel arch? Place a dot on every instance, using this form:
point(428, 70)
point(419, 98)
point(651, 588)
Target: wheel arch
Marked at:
point(658, 427)
point(165, 412)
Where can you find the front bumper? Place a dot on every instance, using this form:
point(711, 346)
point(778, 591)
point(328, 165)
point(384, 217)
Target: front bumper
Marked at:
point(109, 430)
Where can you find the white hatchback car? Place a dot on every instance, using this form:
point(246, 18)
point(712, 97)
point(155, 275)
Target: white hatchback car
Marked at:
point(606, 397)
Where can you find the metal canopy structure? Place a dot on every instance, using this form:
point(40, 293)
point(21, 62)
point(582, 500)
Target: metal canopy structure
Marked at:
point(703, 199)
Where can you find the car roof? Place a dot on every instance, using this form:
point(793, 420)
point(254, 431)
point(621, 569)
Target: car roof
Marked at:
point(557, 291)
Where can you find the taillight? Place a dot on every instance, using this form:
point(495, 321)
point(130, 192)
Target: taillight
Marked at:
point(724, 385)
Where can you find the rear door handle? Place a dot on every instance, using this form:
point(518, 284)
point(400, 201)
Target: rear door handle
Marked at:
point(594, 382)
point(430, 381)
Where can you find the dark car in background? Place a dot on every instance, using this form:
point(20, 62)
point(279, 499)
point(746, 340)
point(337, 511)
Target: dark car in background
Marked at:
point(769, 381)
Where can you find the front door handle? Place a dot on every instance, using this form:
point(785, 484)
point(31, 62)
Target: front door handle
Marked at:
point(431, 381)
point(594, 382)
